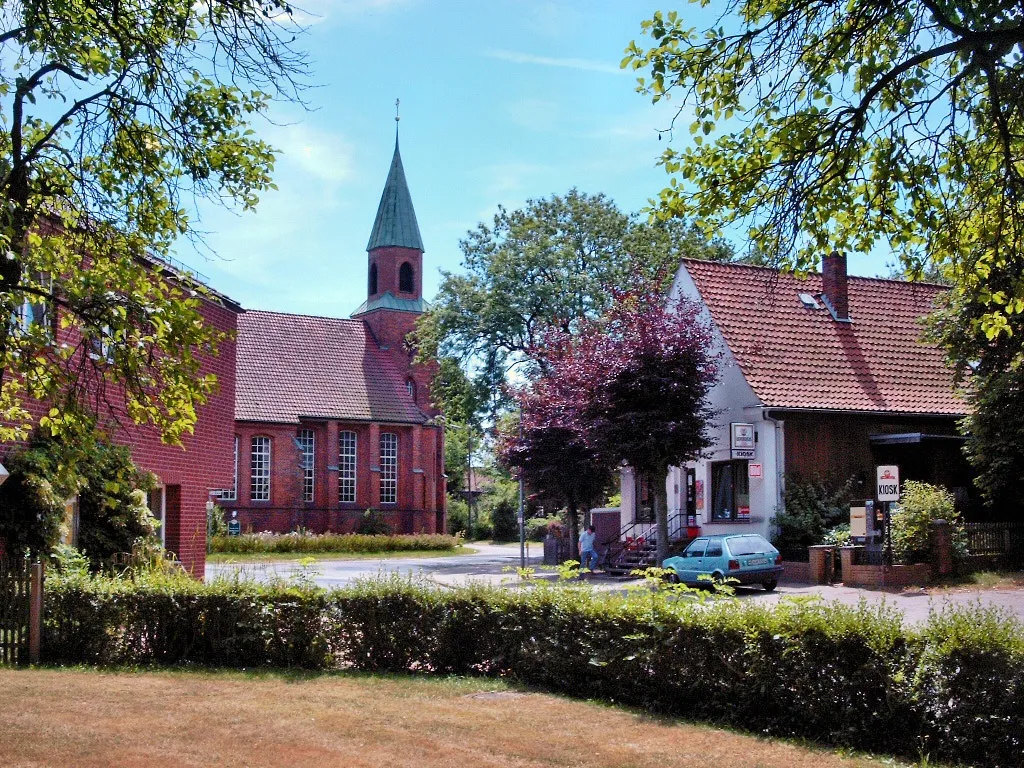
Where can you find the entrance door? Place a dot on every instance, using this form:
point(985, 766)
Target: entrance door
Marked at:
point(691, 497)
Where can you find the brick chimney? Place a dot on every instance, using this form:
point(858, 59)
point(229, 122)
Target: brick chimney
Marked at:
point(834, 284)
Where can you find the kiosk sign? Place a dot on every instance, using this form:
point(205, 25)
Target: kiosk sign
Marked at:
point(887, 487)
point(742, 440)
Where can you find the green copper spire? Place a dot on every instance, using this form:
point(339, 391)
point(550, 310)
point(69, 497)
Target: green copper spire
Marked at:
point(395, 224)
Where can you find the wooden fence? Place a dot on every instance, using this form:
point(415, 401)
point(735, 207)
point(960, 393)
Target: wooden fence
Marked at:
point(21, 611)
point(996, 545)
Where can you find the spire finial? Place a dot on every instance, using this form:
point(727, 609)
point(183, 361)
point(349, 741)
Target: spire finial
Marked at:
point(397, 102)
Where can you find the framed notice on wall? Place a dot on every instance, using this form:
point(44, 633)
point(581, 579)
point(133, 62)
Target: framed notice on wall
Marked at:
point(741, 441)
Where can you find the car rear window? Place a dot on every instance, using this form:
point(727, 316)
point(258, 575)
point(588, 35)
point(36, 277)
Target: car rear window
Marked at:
point(749, 545)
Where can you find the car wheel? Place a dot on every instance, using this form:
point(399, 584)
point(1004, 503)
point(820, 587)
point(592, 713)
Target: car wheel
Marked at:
point(717, 580)
point(672, 577)
point(770, 585)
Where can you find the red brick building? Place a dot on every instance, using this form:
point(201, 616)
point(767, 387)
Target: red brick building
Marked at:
point(332, 417)
point(186, 474)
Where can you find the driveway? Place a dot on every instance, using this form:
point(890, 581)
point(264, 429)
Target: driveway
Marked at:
point(495, 564)
point(486, 564)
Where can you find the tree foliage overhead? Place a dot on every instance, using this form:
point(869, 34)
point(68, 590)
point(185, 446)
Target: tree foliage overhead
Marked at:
point(116, 114)
point(831, 124)
point(852, 125)
point(551, 265)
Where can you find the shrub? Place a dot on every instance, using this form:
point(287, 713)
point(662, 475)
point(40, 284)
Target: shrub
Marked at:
point(373, 523)
point(112, 511)
point(537, 527)
point(505, 521)
point(811, 507)
point(843, 676)
point(458, 515)
point(216, 523)
point(839, 536)
point(266, 542)
point(921, 504)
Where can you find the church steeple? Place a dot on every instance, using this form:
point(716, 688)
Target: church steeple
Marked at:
point(395, 225)
point(395, 250)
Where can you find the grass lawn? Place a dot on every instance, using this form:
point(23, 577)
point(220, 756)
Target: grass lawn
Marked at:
point(89, 719)
point(269, 557)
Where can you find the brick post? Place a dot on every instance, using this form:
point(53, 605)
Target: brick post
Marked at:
point(847, 557)
point(942, 548)
point(821, 564)
point(374, 477)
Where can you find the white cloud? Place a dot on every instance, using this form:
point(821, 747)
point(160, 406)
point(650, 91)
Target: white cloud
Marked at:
point(585, 65)
point(309, 150)
point(310, 12)
point(505, 181)
point(645, 124)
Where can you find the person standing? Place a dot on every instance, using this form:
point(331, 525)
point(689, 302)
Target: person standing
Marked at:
point(588, 552)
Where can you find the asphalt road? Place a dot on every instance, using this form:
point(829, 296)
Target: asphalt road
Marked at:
point(495, 564)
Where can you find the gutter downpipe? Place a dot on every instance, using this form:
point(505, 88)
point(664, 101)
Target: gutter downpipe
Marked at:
point(780, 457)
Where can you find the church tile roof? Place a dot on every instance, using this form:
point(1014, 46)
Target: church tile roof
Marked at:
point(798, 356)
point(295, 366)
point(389, 301)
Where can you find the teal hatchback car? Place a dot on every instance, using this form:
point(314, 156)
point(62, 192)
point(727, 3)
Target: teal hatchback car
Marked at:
point(746, 557)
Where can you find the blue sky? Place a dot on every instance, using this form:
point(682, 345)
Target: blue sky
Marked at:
point(501, 101)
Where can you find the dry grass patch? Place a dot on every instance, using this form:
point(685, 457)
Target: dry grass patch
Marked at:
point(85, 719)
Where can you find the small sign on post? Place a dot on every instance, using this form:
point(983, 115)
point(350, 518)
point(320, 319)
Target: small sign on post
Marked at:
point(755, 470)
point(742, 440)
point(887, 487)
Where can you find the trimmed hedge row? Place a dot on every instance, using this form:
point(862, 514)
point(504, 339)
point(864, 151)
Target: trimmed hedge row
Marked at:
point(842, 676)
point(331, 542)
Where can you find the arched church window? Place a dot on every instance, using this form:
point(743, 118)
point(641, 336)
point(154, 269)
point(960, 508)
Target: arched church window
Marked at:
point(405, 278)
point(373, 279)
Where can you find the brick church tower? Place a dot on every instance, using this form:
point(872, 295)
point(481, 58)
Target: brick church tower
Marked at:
point(395, 281)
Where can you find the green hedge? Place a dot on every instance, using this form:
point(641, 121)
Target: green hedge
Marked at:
point(842, 676)
point(331, 542)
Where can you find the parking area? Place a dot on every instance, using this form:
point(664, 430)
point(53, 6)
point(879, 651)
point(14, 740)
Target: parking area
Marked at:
point(496, 564)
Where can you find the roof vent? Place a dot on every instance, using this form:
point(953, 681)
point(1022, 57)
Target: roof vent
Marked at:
point(809, 301)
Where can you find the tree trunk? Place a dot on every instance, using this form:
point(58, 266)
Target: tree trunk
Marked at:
point(661, 513)
point(574, 530)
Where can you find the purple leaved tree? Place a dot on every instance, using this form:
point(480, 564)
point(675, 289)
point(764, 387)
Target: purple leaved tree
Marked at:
point(632, 386)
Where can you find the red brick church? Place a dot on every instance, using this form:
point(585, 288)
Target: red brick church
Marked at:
point(332, 416)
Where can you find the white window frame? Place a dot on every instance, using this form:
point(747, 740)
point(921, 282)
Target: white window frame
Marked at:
point(34, 310)
point(259, 468)
point(388, 468)
point(348, 443)
point(306, 441)
point(101, 347)
point(159, 495)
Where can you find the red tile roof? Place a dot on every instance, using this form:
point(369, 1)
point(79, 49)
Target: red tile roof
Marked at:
point(292, 366)
point(799, 357)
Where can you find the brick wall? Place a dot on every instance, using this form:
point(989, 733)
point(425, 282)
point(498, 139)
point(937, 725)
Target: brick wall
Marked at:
point(887, 576)
point(204, 460)
point(416, 508)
